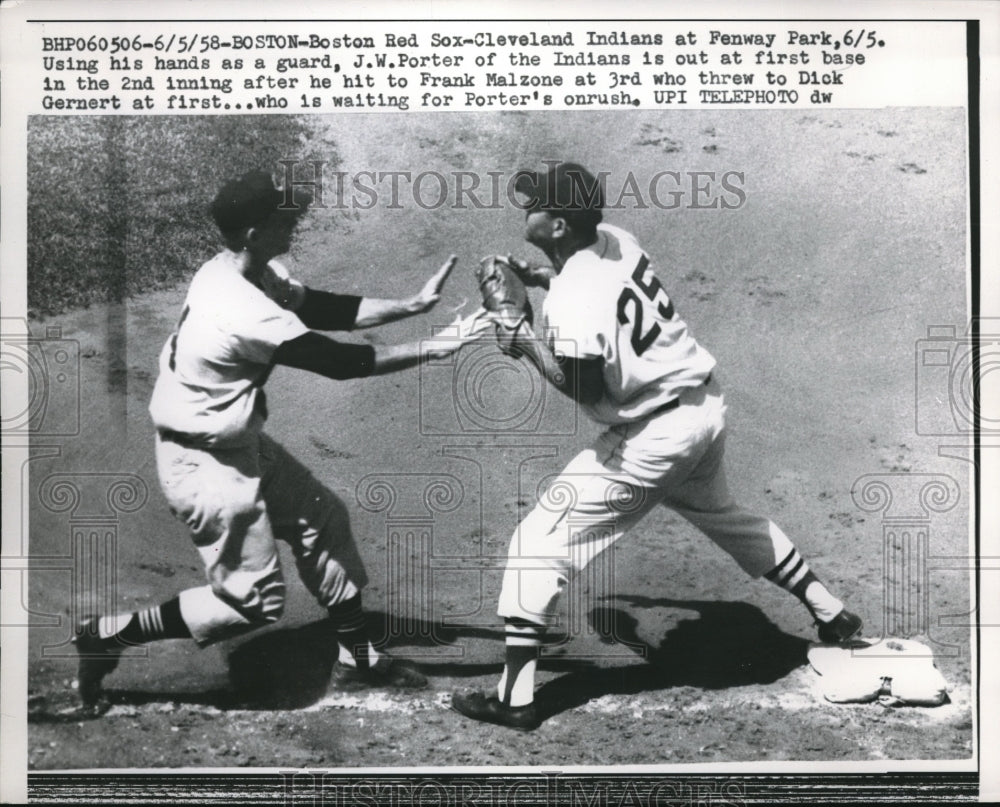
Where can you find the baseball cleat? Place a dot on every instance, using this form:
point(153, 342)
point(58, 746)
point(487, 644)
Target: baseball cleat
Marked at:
point(490, 710)
point(841, 629)
point(97, 658)
point(387, 672)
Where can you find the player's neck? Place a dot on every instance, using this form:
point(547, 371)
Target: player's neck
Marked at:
point(566, 248)
point(250, 264)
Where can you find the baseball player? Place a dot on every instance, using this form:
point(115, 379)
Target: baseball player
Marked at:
point(236, 488)
point(638, 371)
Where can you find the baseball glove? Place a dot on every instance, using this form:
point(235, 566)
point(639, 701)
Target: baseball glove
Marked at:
point(506, 299)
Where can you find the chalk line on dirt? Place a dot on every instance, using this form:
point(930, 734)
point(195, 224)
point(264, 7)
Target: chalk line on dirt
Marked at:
point(798, 692)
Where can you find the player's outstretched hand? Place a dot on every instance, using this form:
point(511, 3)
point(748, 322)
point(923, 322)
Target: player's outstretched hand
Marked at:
point(460, 332)
point(429, 295)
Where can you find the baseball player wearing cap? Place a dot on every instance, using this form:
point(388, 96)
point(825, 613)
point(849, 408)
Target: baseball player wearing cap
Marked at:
point(640, 372)
point(236, 488)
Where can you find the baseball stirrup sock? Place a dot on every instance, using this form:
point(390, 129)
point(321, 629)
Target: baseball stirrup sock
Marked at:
point(348, 619)
point(794, 575)
point(517, 684)
point(162, 621)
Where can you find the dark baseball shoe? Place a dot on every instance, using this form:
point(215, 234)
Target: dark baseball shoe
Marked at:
point(387, 672)
point(490, 710)
point(97, 658)
point(841, 629)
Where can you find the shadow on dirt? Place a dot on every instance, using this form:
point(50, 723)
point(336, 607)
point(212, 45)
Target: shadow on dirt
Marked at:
point(730, 644)
point(290, 669)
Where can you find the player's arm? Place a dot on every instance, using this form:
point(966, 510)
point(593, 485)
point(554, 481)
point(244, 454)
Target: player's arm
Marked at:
point(581, 379)
point(532, 275)
point(325, 311)
point(318, 310)
point(339, 360)
point(376, 311)
point(320, 354)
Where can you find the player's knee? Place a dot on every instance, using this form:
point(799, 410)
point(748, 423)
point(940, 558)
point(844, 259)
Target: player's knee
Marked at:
point(262, 604)
point(531, 594)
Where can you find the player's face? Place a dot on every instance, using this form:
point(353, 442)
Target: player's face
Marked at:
point(538, 229)
point(275, 236)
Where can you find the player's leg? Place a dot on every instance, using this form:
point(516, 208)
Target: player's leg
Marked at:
point(682, 452)
point(216, 495)
point(100, 641)
point(585, 510)
point(315, 523)
point(756, 543)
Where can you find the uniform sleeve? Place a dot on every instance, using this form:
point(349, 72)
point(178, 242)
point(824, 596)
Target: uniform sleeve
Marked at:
point(321, 354)
point(325, 311)
point(257, 330)
point(579, 313)
point(319, 310)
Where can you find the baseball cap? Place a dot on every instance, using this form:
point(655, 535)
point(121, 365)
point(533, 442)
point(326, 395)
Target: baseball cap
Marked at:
point(567, 189)
point(251, 199)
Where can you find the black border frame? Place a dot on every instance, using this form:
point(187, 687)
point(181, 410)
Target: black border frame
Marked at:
point(547, 787)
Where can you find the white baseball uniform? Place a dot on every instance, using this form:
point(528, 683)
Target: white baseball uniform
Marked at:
point(234, 487)
point(665, 441)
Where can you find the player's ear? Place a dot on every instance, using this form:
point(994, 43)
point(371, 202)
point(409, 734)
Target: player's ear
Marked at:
point(251, 235)
point(559, 227)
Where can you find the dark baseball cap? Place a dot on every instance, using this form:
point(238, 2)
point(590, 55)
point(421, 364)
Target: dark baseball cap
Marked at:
point(250, 200)
point(566, 189)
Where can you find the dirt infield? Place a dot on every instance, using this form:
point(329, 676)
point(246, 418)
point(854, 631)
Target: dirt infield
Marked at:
point(843, 243)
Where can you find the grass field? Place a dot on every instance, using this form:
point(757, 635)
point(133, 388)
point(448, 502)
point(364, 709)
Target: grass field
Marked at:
point(117, 206)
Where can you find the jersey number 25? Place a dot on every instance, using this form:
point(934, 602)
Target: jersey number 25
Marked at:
point(629, 302)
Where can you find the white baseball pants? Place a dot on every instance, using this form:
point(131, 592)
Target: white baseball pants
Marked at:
point(674, 459)
point(235, 502)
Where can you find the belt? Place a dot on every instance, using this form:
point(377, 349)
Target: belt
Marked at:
point(673, 403)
